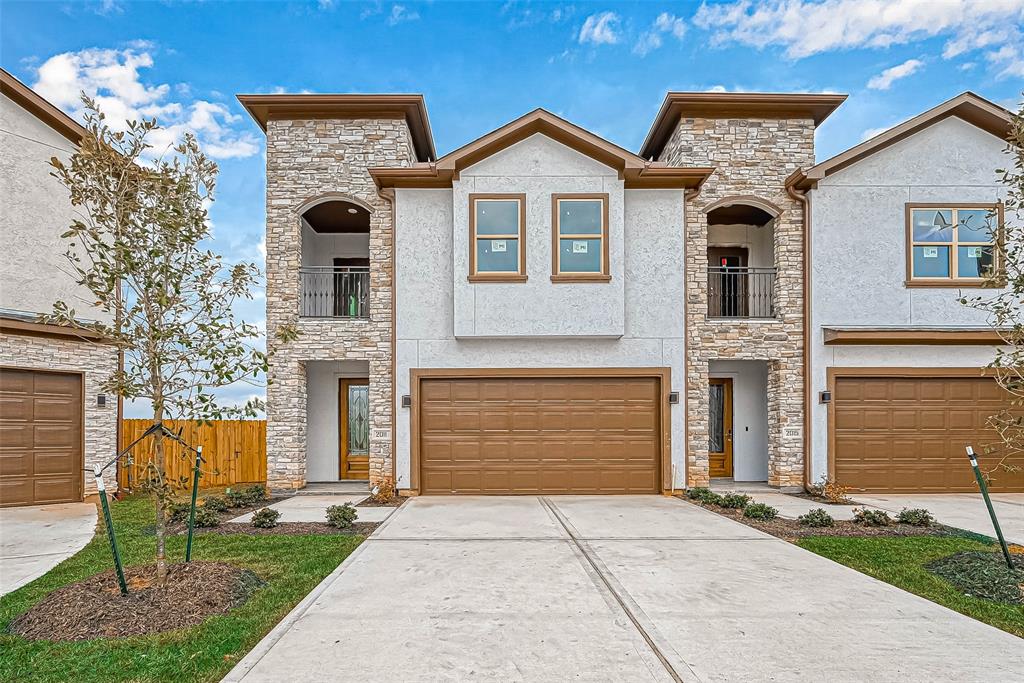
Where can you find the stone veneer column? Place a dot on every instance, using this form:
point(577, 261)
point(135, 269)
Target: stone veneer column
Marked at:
point(306, 160)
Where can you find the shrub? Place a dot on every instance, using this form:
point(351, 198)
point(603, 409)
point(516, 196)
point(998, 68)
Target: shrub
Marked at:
point(265, 518)
point(250, 495)
point(915, 517)
point(735, 501)
point(177, 512)
point(704, 496)
point(215, 503)
point(869, 517)
point(816, 517)
point(206, 517)
point(830, 490)
point(341, 516)
point(760, 511)
point(385, 493)
point(257, 493)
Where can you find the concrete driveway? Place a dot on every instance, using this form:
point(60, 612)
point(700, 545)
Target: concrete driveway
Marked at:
point(35, 539)
point(962, 510)
point(610, 588)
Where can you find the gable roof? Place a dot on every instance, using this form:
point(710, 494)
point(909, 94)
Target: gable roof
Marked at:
point(972, 108)
point(728, 105)
point(313, 106)
point(632, 169)
point(32, 102)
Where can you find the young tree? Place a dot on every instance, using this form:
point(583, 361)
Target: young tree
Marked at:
point(1006, 309)
point(164, 298)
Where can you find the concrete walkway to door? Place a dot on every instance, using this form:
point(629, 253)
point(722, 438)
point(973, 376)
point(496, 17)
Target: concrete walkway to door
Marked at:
point(630, 588)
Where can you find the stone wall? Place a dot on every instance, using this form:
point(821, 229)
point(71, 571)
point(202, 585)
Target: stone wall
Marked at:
point(752, 157)
point(98, 362)
point(307, 159)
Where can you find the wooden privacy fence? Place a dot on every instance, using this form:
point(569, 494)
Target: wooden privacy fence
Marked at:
point(235, 451)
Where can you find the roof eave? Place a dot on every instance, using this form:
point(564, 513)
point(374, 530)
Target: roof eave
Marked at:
point(42, 109)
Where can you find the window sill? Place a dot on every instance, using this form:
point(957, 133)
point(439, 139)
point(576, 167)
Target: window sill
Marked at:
point(581, 277)
point(497, 278)
point(952, 284)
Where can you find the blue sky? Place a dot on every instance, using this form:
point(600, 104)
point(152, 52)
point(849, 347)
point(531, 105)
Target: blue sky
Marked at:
point(603, 65)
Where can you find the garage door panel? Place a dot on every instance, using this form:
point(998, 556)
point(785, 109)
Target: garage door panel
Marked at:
point(41, 429)
point(907, 434)
point(540, 435)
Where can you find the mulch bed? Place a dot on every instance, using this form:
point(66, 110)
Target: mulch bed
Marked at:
point(292, 529)
point(983, 575)
point(182, 527)
point(790, 529)
point(370, 503)
point(95, 608)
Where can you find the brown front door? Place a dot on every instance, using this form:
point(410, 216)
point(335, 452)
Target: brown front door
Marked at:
point(727, 285)
point(354, 429)
point(41, 457)
point(908, 434)
point(720, 427)
point(539, 435)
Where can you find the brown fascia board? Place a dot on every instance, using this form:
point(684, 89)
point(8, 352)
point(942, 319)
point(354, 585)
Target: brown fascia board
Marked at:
point(46, 112)
point(634, 171)
point(972, 108)
point(20, 326)
point(714, 105)
point(881, 336)
point(411, 107)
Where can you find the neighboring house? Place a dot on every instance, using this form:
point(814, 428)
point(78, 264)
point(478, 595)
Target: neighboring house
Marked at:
point(542, 311)
point(902, 227)
point(54, 419)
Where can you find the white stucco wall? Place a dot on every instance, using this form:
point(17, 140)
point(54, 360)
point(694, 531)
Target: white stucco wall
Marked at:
point(647, 268)
point(759, 242)
point(858, 254)
point(749, 416)
point(537, 166)
point(34, 212)
point(321, 249)
point(322, 414)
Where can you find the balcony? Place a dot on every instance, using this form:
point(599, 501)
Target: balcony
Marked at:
point(741, 292)
point(334, 292)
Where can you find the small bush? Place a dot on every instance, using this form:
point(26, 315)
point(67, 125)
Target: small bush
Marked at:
point(915, 517)
point(698, 493)
point(817, 518)
point(177, 512)
point(206, 517)
point(257, 493)
point(341, 516)
point(870, 517)
point(760, 511)
point(830, 490)
point(735, 501)
point(265, 518)
point(246, 497)
point(215, 503)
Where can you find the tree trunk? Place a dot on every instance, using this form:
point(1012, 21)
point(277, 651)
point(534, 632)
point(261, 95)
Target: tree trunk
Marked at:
point(158, 497)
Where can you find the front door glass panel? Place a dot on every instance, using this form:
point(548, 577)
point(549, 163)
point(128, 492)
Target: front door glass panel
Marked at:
point(716, 435)
point(358, 419)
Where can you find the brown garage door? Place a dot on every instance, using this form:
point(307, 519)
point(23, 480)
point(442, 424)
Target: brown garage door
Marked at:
point(540, 435)
point(40, 437)
point(907, 434)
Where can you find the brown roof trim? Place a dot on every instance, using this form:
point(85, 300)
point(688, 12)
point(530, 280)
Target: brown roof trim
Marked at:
point(972, 108)
point(982, 336)
point(633, 170)
point(287, 106)
point(37, 329)
point(32, 102)
point(720, 105)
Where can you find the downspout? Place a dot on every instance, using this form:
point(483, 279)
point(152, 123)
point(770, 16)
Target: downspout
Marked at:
point(388, 195)
point(805, 202)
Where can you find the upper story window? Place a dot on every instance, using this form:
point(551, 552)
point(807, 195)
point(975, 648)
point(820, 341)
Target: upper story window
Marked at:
point(952, 244)
point(497, 237)
point(579, 237)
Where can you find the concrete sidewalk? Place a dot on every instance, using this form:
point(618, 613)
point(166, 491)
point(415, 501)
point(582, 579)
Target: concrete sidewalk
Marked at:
point(610, 588)
point(35, 539)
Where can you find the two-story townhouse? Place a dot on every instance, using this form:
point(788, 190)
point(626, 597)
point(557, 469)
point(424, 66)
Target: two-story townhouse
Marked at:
point(902, 228)
point(55, 419)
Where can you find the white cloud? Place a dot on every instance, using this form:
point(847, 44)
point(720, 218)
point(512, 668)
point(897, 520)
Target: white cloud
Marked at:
point(665, 24)
point(808, 27)
point(872, 132)
point(113, 79)
point(601, 28)
point(884, 80)
point(400, 13)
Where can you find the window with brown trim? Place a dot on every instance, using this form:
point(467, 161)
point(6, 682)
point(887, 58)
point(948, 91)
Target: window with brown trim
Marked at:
point(497, 238)
point(579, 238)
point(952, 244)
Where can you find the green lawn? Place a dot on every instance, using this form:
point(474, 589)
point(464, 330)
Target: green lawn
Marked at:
point(291, 566)
point(900, 561)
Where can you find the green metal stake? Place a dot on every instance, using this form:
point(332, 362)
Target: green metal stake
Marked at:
point(102, 489)
point(988, 502)
point(192, 511)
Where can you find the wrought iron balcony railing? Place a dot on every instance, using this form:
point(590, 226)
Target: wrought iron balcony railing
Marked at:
point(735, 292)
point(334, 292)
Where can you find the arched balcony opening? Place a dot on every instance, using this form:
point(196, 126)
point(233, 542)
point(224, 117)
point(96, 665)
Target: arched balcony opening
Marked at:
point(335, 266)
point(741, 259)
